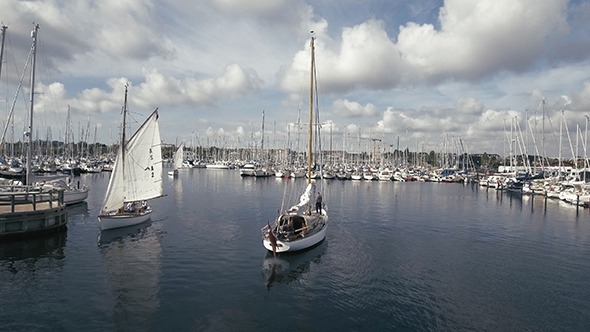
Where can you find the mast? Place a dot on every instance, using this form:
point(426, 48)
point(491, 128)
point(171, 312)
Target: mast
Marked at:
point(560, 137)
point(122, 145)
point(2, 46)
point(1, 56)
point(262, 138)
point(30, 131)
point(309, 157)
point(543, 138)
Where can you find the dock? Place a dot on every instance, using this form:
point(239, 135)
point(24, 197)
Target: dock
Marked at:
point(31, 210)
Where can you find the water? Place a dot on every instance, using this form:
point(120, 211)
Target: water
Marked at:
point(397, 256)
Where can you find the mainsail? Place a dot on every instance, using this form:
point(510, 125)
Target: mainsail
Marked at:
point(304, 199)
point(115, 194)
point(179, 156)
point(137, 175)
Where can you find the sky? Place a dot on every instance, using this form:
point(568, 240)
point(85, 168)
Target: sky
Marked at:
point(424, 75)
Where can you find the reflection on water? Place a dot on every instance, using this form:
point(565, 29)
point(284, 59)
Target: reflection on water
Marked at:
point(177, 191)
point(78, 209)
point(47, 246)
point(397, 256)
point(132, 259)
point(288, 268)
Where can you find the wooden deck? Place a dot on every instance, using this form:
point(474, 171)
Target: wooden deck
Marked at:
point(28, 210)
point(26, 207)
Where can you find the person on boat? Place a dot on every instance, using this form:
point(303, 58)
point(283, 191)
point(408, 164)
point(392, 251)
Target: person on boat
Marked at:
point(128, 207)
point(286, 225)
point(318, 203)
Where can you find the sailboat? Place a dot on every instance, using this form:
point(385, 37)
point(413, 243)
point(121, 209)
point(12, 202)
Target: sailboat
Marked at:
point(178, 160)
point(300, 227)
point(136, 177)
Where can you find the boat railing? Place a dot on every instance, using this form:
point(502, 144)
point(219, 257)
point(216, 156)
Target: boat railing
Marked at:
point(15, 198)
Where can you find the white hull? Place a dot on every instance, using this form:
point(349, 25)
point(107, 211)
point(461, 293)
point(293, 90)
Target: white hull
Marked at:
point(302, 243)
point(122, 220)
point(297, 174)
point(298, 245)
point(248, 170)
point(77, 196)
point(261, 173)
point(217, 166)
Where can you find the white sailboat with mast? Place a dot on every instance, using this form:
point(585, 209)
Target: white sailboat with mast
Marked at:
point(300, 227)
point(136, 176)
point(178, 160)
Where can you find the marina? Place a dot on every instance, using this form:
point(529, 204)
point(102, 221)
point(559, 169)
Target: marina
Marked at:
point(397, 256)
point(440, 183)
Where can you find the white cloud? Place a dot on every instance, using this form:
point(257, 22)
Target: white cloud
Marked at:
point(222, 57)
point(478, 38)
point(469, 106)
point(156, 90)
point(580, 101)
point(351, 109)
point(367, 58)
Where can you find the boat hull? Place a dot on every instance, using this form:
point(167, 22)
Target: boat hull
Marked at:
point(122, 220)
point(77, 196)
point(300, 243)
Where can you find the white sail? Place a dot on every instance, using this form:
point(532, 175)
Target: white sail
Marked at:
point(137, 176)
point(304, 199)
point(143, 162)
point(178, 156)
point(115, 194)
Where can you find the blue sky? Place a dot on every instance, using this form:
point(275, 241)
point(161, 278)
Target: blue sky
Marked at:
point(420, 70)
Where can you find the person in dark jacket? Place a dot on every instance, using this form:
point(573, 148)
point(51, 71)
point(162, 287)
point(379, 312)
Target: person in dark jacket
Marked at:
point(318, 203)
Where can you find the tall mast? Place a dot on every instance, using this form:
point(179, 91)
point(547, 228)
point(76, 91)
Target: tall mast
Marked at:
point(309, 157)
point(543, 137)
point(262, 138)
point(122, 147)
point(1, 56)
point(30, 131)
point(2, 46)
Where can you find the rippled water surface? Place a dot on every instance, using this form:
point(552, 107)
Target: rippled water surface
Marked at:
point(397, 256)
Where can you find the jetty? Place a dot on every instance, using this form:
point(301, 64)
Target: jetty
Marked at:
point(31, 210)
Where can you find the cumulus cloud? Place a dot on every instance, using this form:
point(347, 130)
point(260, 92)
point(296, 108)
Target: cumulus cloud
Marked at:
point(367, 58)
point(469, 106)
point(156, 90)
point(476, 39)
point(127, 28)
point(352, 109)
point(580, 101)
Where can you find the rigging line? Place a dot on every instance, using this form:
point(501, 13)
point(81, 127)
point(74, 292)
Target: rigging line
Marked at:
point(570, 141)
point(16, 95)
point(552, 131)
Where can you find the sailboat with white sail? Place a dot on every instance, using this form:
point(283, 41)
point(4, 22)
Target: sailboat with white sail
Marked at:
point(136, 177)
point(178, 160)
point(300, 227)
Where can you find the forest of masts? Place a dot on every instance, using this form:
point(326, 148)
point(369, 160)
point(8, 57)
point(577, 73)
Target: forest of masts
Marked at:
point(451, 151)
